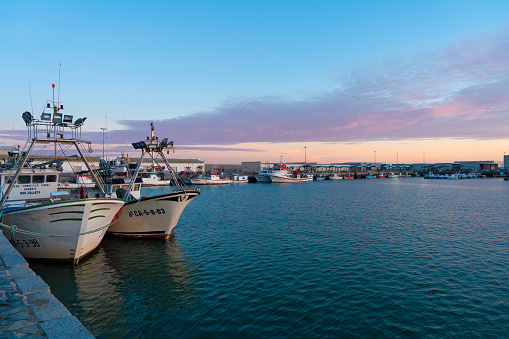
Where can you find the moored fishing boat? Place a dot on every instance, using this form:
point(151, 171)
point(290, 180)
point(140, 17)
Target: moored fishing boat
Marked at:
point(335, 176)
point(155, 216)
point(238, 179)
point(40, 222)
point(281, 174)
point(263, 176)
point(211, 179)
point(153, 179)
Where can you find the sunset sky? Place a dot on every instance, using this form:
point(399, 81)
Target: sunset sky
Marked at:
point(232, 81)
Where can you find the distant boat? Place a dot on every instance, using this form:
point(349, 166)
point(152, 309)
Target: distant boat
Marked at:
point(281, 174)
point(237, 179)
point(262, 176)
point(211, 179)
point(431, 176)
point(152, 179)
point(335, 176)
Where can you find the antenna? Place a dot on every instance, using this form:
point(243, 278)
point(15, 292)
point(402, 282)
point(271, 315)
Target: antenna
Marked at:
point(123, 120)
point(31, 104)
point(60, 63)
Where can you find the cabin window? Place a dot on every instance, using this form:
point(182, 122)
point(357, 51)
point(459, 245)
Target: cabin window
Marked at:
point(24, 179)
point(51, 178)
point(137, 187)
point(38, 179)
point(8, 180)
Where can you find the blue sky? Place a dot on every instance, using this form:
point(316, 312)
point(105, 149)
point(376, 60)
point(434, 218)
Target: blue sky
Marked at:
point(255, 79)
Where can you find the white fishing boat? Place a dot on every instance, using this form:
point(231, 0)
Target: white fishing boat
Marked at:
point(155, 216)
point(319, 177)
point(281, 174)
point(40, 222)
point(263, 176)
point(335, 176)
point(211, 179)
point(152, 179)
point(238, 179)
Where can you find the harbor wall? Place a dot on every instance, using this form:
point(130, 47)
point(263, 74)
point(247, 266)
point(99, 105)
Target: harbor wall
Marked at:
point(27, 307)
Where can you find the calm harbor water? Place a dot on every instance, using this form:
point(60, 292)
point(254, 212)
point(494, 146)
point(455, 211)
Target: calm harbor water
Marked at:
point(380, 258)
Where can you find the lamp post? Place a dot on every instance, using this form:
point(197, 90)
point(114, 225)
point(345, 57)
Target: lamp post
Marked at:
point(305, 156)
point(103, 129)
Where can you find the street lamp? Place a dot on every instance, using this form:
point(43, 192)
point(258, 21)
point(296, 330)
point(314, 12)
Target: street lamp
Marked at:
point(103, 129)
point(305, 156)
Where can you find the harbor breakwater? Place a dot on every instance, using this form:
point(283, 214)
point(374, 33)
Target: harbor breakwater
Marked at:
point(27, 307)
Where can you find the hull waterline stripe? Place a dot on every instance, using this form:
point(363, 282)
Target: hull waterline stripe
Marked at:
point(76, 212)
point(97, 216)
point(99, 209)
point(69, 219)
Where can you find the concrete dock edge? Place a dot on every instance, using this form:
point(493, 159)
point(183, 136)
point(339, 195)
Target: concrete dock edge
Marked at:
point(27, 307)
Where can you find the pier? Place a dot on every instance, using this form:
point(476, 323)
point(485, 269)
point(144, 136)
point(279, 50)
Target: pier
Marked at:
point(27, 306)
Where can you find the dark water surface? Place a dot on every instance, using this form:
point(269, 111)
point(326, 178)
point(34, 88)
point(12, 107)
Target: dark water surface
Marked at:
point(373, 258)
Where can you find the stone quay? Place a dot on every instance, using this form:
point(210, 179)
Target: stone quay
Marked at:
point(27, 307)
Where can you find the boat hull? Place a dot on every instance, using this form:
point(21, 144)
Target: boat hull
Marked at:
point(284, 179)
point(151, 217)
point(68, 218)
point(262, 178)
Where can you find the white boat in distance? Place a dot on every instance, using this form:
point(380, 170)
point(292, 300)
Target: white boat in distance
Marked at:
point(211, 179)
point(281, 174)
point(155, 216)
point(152, 179)
point(40, 222)
point(262, 176)
point(238, 179)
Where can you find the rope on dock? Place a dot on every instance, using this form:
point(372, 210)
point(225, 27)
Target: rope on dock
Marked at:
point(15, 228)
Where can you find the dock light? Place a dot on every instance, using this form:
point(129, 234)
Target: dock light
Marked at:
point(79, 121)
point(164, 142)
point(68, 119)
point(57, 117)
point(46, 116)
point(27, 117)
point(138, 145)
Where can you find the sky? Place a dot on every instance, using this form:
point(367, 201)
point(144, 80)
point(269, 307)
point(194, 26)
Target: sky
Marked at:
point(232, 81)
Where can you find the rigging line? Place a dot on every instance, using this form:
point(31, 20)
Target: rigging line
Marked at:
point(60, 62)
point(123, 120)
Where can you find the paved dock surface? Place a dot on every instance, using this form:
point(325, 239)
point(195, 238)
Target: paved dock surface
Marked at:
point(27, 307)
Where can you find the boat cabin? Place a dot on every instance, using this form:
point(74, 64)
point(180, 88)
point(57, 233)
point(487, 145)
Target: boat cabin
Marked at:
point(31, 184)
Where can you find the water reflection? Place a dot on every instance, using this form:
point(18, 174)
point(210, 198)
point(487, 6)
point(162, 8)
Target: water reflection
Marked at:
point(129, 287)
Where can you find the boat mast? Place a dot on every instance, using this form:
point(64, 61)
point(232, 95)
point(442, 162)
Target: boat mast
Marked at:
point(152, 139)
